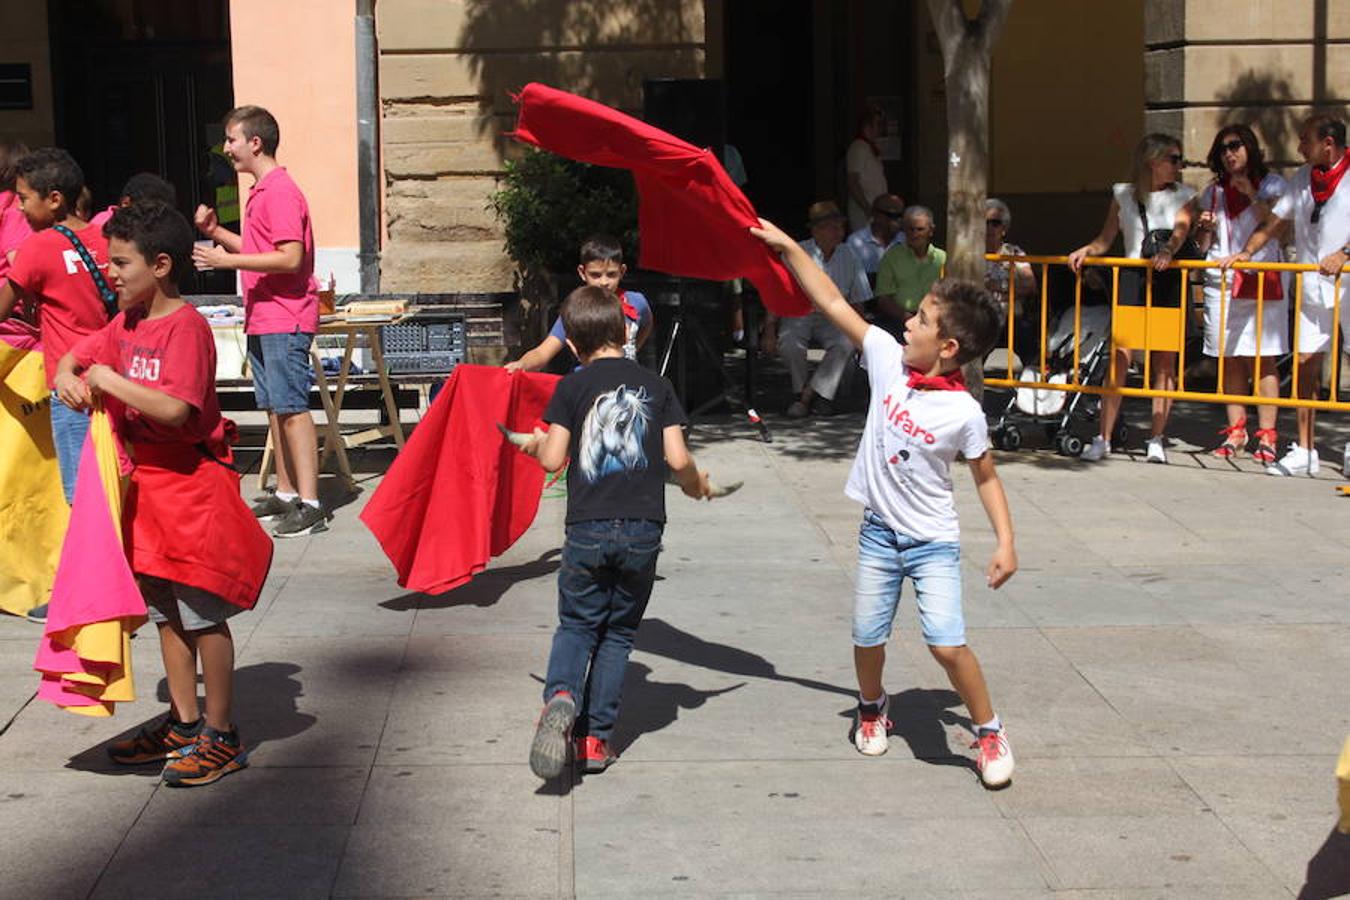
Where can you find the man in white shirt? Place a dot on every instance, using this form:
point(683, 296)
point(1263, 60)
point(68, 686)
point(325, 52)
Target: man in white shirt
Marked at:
point(1318, 204)
point(871, 242)
point(826, 246)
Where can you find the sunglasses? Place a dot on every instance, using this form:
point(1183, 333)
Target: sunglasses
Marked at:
point(993, 223)
point(893, 216)
point(1232, 146)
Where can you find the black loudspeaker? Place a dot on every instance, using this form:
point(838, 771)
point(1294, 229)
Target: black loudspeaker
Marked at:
point(694, 109)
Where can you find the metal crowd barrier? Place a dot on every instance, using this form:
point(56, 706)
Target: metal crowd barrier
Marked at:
point(1163, 328)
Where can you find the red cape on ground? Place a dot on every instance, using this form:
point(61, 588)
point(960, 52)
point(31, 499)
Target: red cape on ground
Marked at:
point(692, 219)
point(459, 493)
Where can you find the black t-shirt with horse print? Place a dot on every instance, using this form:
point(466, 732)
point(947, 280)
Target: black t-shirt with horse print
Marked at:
point(616, 412)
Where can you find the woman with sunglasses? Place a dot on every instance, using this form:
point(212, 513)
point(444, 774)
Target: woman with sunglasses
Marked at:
point(1231, 208)
point(1026, 320)
point(1155, 200)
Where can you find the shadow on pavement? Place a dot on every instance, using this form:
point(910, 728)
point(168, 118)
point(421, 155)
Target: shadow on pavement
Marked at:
point(265, 698)
point(650, 705)
point(486, 588)
point(1329, 869)
point(919, 717)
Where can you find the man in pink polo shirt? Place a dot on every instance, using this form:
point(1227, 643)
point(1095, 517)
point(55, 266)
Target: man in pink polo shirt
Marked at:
point(275, 259)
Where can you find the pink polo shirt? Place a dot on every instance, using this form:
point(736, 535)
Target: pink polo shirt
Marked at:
point(14, 229)
point(276, 213)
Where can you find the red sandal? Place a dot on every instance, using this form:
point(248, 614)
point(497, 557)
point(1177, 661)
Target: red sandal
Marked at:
point(1267, 439)
point(1235, 440)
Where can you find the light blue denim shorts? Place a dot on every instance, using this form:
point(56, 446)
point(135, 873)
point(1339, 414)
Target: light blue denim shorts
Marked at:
point(885, 559)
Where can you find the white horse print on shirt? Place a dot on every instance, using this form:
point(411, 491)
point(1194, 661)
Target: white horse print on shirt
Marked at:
point(612, 434)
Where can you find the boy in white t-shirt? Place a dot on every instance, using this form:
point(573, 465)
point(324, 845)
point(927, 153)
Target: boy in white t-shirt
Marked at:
point(919, 418)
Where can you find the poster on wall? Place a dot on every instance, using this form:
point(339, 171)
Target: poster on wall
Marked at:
point(889, 142)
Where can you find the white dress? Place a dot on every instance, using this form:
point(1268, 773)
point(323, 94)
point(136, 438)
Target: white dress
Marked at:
point(1239, 319)
point(862, 160)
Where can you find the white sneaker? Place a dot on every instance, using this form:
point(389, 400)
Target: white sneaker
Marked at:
point(870, 730)
point(1155, 452)
point(1298, 461)
point(1345, 460)
point(994, 761)
point(1095, 450)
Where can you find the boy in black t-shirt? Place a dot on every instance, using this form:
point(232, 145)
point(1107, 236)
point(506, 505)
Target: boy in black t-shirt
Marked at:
point(620, 425)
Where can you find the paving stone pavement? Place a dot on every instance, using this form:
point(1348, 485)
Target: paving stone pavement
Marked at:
point(1172, 662)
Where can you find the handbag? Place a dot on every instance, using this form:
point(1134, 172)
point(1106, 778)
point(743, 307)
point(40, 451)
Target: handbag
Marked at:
point(1244, 282)
point(1157, 238)
point(105, 293)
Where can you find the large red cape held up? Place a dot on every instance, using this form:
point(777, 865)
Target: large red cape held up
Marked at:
point(692, 219)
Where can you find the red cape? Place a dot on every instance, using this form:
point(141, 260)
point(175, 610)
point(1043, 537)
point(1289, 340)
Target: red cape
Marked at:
point(459, 493)
point(692, 219)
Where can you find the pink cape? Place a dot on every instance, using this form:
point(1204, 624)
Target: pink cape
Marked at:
point(692, 219)
point(459, 493)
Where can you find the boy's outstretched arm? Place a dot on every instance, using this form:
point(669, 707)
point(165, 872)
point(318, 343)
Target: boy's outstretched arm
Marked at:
point(537, 357)
point(817, 285)
point(987, 483)
point(681, 463)
point(549, 448)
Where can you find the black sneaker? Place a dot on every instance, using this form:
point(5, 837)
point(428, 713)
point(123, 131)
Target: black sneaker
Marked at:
point(302, 519)
point(271, 507)
point(38, 614)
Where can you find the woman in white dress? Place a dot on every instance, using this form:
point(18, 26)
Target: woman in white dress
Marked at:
point(865, 173)
point(1154, 201)
point(1231, 208)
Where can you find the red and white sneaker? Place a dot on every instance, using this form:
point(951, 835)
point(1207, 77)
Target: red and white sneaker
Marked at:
point(871, 729)
point(994, 761)
point(594, 755)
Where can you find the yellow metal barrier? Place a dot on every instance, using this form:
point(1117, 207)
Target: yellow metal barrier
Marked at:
point(1163, 328)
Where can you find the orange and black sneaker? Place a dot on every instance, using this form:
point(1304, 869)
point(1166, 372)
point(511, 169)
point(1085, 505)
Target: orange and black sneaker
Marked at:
point(215, 755)
point(167, 740)
point(594, 755)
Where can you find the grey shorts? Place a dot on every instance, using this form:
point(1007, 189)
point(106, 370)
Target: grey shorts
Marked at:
point(197, 610)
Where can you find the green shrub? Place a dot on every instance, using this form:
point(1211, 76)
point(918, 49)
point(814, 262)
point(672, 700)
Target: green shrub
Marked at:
point(549, 205)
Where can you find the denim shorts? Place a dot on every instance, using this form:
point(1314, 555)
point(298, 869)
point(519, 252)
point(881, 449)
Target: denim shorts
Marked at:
point(197, 610)
point(885, 559)
point(282, 371)
point(69, 427)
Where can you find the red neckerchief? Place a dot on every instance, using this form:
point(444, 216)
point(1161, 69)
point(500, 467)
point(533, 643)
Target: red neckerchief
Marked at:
point(1324, 181)
point(952, 381)
point(1234, 201)
point(629, 310)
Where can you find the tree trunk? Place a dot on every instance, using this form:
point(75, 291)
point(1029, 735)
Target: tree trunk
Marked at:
point(966, 49)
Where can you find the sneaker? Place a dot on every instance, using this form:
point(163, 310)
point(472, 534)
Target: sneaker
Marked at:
point(994, 761)
point(271, 507)
point(1345, 460)
point(822, 407)
point(38, 614)
point(1095, 450)
point(214, 756)
point(797, 410)
point(1155, 452)
point(870, 728)
point(156, 744)
point(302, 519)
point(548, 751)
point(594, 755)
point(1297, 461)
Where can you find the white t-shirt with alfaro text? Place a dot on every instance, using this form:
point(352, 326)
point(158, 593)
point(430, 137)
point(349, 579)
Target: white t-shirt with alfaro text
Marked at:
point(903, 468)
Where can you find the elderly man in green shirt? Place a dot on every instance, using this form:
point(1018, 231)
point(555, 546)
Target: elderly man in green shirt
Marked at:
point(908, 270)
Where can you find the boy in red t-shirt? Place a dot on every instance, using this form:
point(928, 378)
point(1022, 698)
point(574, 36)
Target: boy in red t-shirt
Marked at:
point(275, 258)
point(198, 552)
point(50, 277)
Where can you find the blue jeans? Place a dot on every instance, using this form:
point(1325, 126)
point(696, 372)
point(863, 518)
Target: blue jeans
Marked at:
point(608, 567)
point(69, 427)
point(282, 371)
point(885, 559)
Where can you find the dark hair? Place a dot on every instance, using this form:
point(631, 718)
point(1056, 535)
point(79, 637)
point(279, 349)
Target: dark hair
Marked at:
point(1324, 125)
point(1256, 160)
point(592, 319)
point(144, 186)
point(10, 154)
point(601, 248)
point(255, 122)
point(154, 228)
point(49, 169)
point(969, 314)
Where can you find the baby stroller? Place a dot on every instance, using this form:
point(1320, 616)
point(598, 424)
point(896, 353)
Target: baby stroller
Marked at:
point(1061, 411)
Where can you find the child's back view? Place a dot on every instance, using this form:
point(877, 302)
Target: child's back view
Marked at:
point(620, 424)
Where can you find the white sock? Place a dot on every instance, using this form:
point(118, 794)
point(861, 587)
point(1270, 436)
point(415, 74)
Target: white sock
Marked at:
point(877, 702)
point(992, 725)
point(284, 497)
point(313, 503)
